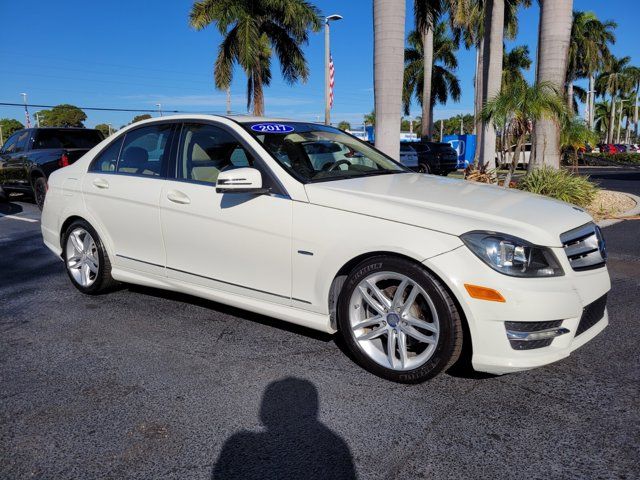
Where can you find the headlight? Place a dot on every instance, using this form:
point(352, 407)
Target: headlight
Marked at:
point(512, 255)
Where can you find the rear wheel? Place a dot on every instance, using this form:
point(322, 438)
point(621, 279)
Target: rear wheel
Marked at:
point(424, 168)
point(86, 259)
point(398, 321)
point(39, 191)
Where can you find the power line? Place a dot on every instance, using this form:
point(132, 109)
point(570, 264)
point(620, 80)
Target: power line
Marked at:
point(103, 109)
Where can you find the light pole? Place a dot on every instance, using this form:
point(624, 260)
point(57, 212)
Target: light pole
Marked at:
point(327, 55)
point(109, 125)
point(26, 110)
point(159, 105)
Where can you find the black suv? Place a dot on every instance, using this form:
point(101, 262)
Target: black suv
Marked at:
point(436, 158)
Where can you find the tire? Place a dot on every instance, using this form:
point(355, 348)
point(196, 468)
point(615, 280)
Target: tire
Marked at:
point(424, 168)
point(40, 191)
point(434, 339)
point(98, 278)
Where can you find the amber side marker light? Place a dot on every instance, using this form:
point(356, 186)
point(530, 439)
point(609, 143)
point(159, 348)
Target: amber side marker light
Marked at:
point(484, 293)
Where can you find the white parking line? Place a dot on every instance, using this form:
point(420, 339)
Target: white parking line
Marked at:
point(22, 219)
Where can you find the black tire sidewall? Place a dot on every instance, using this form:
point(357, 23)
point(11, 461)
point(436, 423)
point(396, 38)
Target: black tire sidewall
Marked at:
point(445, 349)
point(97, 285)
point(424, 168)
point(39, 183)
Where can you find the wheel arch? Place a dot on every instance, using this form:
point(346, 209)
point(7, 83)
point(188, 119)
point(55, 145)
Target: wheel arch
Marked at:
point(68, 221)
point(343, 272)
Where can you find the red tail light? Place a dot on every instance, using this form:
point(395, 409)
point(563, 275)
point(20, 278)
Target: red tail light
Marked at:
point(64, 160)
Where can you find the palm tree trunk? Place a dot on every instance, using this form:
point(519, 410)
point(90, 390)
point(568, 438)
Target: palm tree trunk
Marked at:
point(258, 96)
point(635, 109)
point(556, 17)
point(477, 106)
point(388, 71)
point(492, 65)
point(612, 119)
point(627, 130)
point(570, 96)
point(619, 122)
point(514, 162)
point(427, 61)
point(592, 101)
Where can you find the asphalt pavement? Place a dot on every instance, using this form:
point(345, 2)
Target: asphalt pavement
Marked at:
point(142, 383)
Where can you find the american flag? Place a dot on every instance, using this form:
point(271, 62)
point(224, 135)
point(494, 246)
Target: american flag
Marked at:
point(332, 73)
point(26, 114)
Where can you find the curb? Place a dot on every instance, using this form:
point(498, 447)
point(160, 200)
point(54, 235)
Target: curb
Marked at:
point(629, 213)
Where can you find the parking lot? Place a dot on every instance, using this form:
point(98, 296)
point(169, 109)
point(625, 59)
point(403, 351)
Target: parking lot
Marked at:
point(142, 383)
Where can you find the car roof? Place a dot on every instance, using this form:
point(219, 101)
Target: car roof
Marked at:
point(235, 118)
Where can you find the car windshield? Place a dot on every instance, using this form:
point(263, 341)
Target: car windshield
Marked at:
point(315, 153)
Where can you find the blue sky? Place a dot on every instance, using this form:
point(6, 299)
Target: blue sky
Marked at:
point(136, 54)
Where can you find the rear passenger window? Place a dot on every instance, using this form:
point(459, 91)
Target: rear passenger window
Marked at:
point(108, 159)
point(144, 151)
point(206, 150)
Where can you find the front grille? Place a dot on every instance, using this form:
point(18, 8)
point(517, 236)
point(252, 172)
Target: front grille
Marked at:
point(531, 327)
point(592, 314)
point(584, 247)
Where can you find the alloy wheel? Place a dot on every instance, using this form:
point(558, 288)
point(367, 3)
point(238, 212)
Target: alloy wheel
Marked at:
point(394, 321)
point(82, 257)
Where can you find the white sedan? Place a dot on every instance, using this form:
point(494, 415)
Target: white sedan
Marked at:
point(409, 269)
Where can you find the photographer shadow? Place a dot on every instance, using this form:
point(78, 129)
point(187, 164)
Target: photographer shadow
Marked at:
point(294, 445)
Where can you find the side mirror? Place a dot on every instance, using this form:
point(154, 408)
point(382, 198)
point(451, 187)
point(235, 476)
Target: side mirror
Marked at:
point(240, 180)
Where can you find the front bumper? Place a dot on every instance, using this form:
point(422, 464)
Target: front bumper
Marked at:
point(527, 300)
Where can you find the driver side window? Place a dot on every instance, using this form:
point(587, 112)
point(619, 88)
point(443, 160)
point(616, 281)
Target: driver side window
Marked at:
point(205, 150)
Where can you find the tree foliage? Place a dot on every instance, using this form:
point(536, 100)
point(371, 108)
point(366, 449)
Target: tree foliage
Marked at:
point(104, 128)
point(139, 118)
point(252, 31)
point(10, 126)
point(444, 82)
point(64, 115)
point(514, 63)
point(344, 125)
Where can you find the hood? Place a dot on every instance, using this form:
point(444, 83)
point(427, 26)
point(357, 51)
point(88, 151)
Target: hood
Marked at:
point(451, 206)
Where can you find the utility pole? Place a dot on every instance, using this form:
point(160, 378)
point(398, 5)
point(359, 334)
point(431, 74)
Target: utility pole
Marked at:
point(37, 119)
point(229, 100)
point(441, 130)
point(461, 125)
point(327, 59)
point(109, 125)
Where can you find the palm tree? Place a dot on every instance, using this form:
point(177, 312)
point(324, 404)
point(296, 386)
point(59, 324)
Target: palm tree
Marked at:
point(554, 36)
point(344, 125)
point(370, 118)
point(612, 81)
point(388, 42)
point(444, 82)
point(575, 134)
point(515, 109)
point(252, 30)
point(602, 118)
point(513, 64)
point(588, 52)
point(426, 13)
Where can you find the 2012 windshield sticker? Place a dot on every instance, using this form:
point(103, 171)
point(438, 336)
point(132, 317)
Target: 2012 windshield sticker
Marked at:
point(272, 128)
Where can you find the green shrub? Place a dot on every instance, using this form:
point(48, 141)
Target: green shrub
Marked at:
point(627, 157)
point(559, 184)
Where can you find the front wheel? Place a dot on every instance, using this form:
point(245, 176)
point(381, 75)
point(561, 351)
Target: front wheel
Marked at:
point(86, 259)
point(398, 321)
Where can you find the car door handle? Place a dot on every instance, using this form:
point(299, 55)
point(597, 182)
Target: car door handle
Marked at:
point(100, 183)
point(176, 196)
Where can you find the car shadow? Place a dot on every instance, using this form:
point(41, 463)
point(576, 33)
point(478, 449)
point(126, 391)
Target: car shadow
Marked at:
point(10, 208)
point(294, 444)
point(229, 310)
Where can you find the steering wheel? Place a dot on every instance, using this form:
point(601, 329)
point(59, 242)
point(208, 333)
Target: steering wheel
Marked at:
point(334, 166)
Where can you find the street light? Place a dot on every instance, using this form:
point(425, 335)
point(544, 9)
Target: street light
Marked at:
point(109, 125)
point(327, 54)
point(159, 105)
point(26, 109)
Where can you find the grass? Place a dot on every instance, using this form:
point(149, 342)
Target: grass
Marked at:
point(559, 184)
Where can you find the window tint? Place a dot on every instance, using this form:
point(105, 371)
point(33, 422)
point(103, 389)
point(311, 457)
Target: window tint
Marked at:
point(21, 142)
point(143, 151)
point(61, 138)
point(206, 150)
point(108, 159)
point(10, 145)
